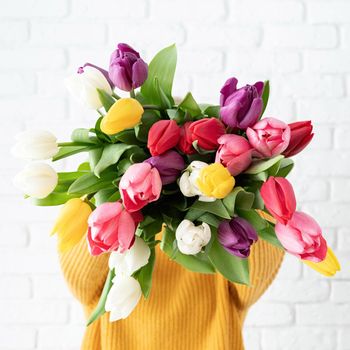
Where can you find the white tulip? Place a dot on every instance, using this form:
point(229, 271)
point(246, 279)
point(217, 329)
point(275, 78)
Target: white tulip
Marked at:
point(35, 145)
point(188, 181)
point(122, 297)
point(36, 180)
point(131, 260)
point(190, 238)
point(84, 86)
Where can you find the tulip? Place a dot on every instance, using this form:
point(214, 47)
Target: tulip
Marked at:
point(327, 267)
point(215, 181)
point(237, 236)
point(84, 86)
point(126, 69)
point(235, 153)
point(206, 132)
point(140, 185)
point(36, 180)
point(72, 223)
point(124, 113)
point(130, 260)
point(269, 137)
point(279, 198)
point(300, 136)
point(190, 238)
point(122, 297)
point(35, 145)
point(185, 141)
point(162, 136)
point(111, 227)
point(240, 108)
point(302, 237)
point(169, 165)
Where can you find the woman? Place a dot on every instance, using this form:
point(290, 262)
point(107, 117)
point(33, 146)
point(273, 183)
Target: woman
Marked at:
point(185, 310)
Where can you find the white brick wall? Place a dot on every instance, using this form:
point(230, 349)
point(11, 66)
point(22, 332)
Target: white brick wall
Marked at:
point(303, 46)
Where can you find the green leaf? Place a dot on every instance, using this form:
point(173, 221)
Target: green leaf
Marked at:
point(101, 135)
point(210, 219)
point(148, 119)
point(238, 198)
point(67, 151)
point(70, 176)
point(127, 136)
point(265, 95)
point(100, 308)
point(54, 198)
point(144, 275)
point(82, 135)
point(262, 165)
point(233, 268)
point(94, 157)
point(197, 263)
point(285, 168)
point(212, 111)
point(106, 99)
point(163, 68)
point(107, 195)
point(164, 100)
point(110, 155)
point(90, 183)
point(268, 234)
point(84, 167)
point(254, 218)
point(189, 105)
point(217, 208)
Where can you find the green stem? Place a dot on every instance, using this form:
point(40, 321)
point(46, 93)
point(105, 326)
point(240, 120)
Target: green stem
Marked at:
point(100, 113)
point(117, 97)
point(132, 93)
point(155, 107)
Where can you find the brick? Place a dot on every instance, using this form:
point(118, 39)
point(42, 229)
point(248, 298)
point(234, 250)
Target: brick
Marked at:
point(344, 239)
point(340, 292)
point(267, 11)
point(34, 8)
point(68, 338)
point(298, 338)
point(77, 316)
point(50, 287)
point(310, 189)
point(13, 32)
point(323, 314)
point(251, 338)
point(15, 287)
point(269, 314)
point(344, 339)
point(298, 291)
point(300, 36)
point(328, 11)
point(200, 61)
point(341, 137)
point(188, 10)
point(323, 138)
point(290, 270)
point(17, 83)
point(12, 338)
point(33, 312)
point(13, 235)
point(331, 61)
point(340, 189)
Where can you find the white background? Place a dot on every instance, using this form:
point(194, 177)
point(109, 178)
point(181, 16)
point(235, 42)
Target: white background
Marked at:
point(303, 47)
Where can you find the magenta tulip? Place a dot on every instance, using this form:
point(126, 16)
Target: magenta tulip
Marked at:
point(279, 198)
point(302, 237)
point(269, 137)
point(234, 152)
point(300, 136)
point(140, 185)
point(111, 227)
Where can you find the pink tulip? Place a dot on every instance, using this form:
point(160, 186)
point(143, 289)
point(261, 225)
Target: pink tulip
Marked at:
point(110, 227)
point(269, 137)
point(140, 185)
point(302, 237)
point(234, 152)
point(279, 198)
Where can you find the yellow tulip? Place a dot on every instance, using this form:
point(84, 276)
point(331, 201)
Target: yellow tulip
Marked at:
point(125, 113)
point(71, 224)
point(215, 181)
point(328, 267)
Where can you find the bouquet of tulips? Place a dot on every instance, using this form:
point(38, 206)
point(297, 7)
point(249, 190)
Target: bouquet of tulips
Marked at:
point(203, 181)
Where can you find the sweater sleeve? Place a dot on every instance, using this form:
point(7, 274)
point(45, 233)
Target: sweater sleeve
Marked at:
point(85, 274)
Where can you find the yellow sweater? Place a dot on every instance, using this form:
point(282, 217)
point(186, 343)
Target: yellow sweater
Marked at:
point(185, 311)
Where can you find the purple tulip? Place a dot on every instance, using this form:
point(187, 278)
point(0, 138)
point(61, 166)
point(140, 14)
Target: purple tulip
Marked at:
point(126, 69)
point(240, 108)
point(103, 71)
point(236, 236)
point(169, 165)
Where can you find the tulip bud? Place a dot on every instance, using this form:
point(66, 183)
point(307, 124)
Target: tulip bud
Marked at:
point(215, 181)
point(185, 141)
point(169, 165)
point(35, 145)
point(122, 297)
point(190, 238)
point(124, 114)
point(84, 86)
point(279, 198)
point(37, 180)
point(236, 236)
point(126, 69)
point(327, 267)
point(300, 136)
point(72, 223)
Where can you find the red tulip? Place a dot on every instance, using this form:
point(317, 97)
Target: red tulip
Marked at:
point(300, 137)
point(162, 136)
point(185, 142)
point(207, 131)
point(278, 196)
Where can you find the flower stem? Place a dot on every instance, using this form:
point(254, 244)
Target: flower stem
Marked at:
point(155, 107)
point(117, 97)
point(132, 93)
